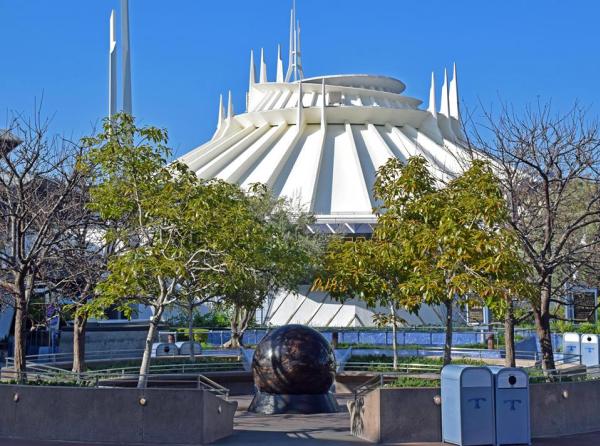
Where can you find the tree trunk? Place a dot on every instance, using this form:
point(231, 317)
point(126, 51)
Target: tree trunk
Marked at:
point(394, 343)
point(191, 332)
point(80, 323)
point(542, 326)
point(234, 339)
point(19, 341)
point(239, 324)
point(152, 329)
point(448, 342)
point(509, 336)
point(21, 305)
point(335, 339)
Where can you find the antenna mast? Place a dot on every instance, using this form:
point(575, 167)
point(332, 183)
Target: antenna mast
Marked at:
point(127, 108)
point(295, 56)
point(112, 67)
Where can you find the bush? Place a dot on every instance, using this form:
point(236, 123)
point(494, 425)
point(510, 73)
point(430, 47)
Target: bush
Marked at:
point(212, 319)
point(570, 327)
point(200, 335)
point(410, 381)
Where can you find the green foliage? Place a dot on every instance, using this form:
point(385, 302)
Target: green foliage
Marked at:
point(183, 238)
point(564, 327)
point(409, 381)
point(570, 327)
point(213, 319)
point(420, 360)
point(432, 245)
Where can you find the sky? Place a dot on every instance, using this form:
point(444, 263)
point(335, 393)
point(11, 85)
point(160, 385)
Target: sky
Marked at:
point(186, 53)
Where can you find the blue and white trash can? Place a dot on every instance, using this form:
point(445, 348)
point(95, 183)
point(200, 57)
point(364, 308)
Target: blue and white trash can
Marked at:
point(468, 405)
point(590, 351)
point(512, 410)
point(572, 345)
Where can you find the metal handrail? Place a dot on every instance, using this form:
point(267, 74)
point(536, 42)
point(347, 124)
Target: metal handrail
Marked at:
point(368, 386)
point(209, 384)
point(183, 367)
point(201, 382)
point(591, 373)
point(108, 355)
point(388, 367)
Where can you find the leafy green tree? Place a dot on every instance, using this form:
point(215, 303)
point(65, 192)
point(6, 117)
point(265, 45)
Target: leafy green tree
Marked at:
point(373, 271)
point(432, 245)
point(279, 258)
point(463, 246)
point(174, 227)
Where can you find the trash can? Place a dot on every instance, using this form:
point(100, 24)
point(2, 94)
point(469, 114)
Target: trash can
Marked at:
point(185, 348)
point(162, 349)
point(467, 405)
point(513, 424)
point(590, 353)
point(571, 346)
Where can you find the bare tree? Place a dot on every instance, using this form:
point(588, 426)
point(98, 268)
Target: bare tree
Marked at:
point(549, 165)
point(77, 265)
point(37, 181)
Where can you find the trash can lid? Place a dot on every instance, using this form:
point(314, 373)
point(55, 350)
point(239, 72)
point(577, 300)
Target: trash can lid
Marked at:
point(571, 337)
point(589, 339)
point(510, 377)
point(469, 376)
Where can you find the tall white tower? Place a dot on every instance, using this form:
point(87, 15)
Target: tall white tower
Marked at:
point(295, 71)
point(112, 66)
point(126, 57)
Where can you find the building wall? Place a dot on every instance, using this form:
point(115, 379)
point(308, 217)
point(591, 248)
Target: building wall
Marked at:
point(107, 338)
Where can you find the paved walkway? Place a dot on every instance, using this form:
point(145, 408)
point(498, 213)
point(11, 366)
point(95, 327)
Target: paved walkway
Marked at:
point(300, 430)
point(331, 430)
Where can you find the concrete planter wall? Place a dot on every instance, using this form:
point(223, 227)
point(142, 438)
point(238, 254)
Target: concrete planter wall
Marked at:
point(412, 415)
point(124, 416)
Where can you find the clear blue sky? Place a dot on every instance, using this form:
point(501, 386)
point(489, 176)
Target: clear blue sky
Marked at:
point(185, 53)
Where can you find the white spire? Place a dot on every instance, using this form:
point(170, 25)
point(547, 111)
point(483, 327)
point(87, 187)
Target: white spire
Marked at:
point(323, 105)
point(291, 47)
point(126, 57)
point(431, 109)
point(279, 65)
point(295, 62)
point(229, 106)
point(221, 112)
point(453, 95)
point(263, 67)
point(252, 70)
point(444, 107)
point(112, 65)
point(300, 105)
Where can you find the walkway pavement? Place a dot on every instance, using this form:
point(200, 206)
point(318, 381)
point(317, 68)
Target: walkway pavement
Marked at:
point(305, 430)
point(330, 430)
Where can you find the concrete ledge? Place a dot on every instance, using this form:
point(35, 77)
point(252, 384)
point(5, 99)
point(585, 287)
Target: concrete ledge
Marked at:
point(123, 416)
point(408, 415)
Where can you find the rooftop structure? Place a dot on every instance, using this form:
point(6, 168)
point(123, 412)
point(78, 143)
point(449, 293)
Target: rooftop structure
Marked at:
point(8, 141)
point(319, 141)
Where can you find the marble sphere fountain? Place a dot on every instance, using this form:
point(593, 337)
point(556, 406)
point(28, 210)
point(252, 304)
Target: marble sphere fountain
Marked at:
point(294, 369)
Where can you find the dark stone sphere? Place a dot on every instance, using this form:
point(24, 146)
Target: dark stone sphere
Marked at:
point(294, 360)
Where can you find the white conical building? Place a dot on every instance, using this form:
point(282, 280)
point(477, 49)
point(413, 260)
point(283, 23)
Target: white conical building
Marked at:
point(319, 141)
